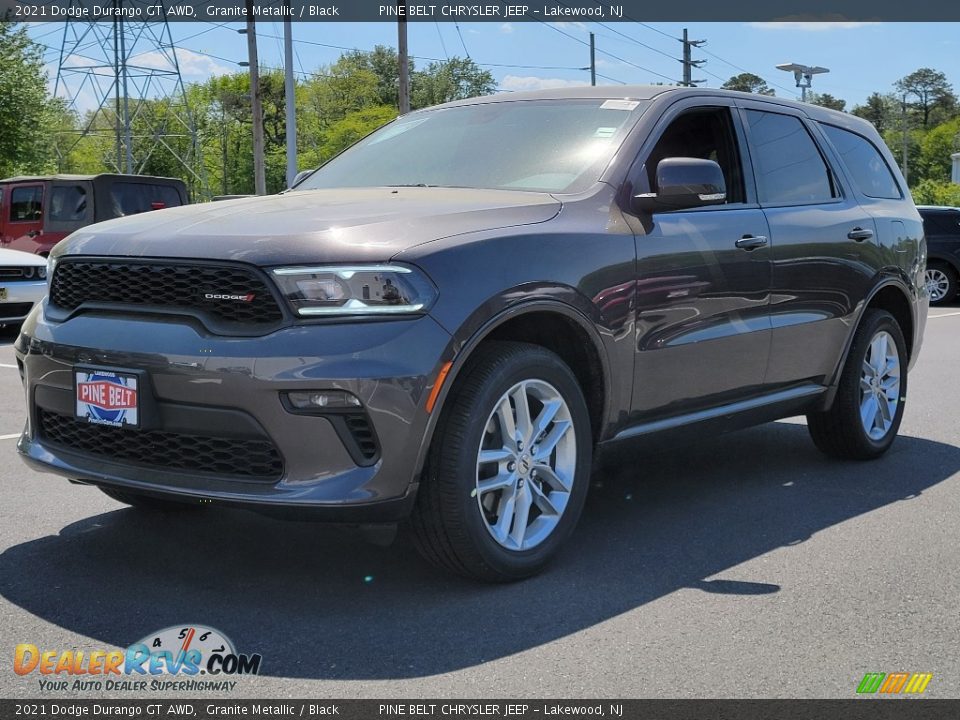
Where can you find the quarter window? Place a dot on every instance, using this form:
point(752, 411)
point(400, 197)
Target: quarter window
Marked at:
point(789, 167)
point(866, 165)
point(68, 203)
point(26, 203)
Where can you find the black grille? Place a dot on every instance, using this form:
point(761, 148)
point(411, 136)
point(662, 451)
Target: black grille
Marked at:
point(166, 285)
point(241, 458)
point(19, 273)
point(14, 310)
point(363, 436)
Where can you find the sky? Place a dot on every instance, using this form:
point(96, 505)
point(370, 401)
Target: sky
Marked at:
point(862, 57)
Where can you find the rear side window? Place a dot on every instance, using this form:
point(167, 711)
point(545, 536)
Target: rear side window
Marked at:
point(941, 223)
point(132, 198)
point(789, 167)
point(26, 203)
point(866, 165)
point(68, 203)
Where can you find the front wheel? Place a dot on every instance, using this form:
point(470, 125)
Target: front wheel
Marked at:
point(866, 413)
point(941, 281)
point(508, 470)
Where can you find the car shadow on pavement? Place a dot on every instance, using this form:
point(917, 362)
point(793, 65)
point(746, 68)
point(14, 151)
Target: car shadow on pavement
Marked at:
point(318, 602)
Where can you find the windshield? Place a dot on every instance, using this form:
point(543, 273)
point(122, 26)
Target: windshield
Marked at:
point(538, 145)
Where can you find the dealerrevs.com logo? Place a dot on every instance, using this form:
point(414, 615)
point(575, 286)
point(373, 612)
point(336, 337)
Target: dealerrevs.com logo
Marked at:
point(181, 657)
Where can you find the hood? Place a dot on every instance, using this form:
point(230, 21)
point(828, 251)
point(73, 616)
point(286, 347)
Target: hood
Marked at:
point(18, 258)
point(311, 226)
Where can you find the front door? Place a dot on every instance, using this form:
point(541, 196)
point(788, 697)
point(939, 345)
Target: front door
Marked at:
point(702, 325)
point(23, 216)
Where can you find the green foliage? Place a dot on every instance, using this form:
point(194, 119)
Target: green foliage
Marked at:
point(828, 101)
point(28, 115)
point(881, 110)
point(748, 82)
point(455, 79)
point(933, 192)
point(929, 95)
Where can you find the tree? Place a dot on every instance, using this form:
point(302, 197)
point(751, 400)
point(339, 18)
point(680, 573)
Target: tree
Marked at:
point(828, 101)
point(29, 117)
point(881, 110)
point(455, 79)
point(748, 82)
point(932, 93)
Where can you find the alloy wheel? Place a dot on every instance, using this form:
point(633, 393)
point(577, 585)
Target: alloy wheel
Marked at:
point(938, 284)
point(526, 465)
point(880, 386)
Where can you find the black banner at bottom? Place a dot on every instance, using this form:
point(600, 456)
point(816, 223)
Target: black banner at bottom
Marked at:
point(854, 709)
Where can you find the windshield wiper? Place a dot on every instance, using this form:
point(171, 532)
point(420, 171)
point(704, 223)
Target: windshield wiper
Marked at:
point(412, 185)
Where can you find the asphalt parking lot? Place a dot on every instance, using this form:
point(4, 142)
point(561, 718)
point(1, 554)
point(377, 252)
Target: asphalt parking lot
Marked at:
point(745, 566)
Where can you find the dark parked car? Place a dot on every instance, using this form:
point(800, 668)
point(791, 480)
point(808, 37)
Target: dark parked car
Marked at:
point(446, 321)
point(37, 212)
point(942, 227)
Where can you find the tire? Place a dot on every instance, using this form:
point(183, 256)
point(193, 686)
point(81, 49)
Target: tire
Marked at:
point(841, 431)
point(147, 502)
point(463, 527)
point(941, 281)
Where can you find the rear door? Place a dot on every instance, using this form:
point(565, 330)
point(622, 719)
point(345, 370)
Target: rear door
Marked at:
point(822, 245)
point(703, 331)
point(23, 216)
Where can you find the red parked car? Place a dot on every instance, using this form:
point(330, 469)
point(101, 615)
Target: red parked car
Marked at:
point(38, 212)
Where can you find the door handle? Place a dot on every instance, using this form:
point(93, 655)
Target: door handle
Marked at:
point(751, 242)
point(860, 234)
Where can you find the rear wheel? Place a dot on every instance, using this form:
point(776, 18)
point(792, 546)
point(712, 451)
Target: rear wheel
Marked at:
point(146, 502)
point(507, 474)
point(941, 281)
point(866, 413)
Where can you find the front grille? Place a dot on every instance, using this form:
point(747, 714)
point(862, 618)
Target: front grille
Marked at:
point(166, 285)
point(14, 310)
point(232, 457)
point(19, 273)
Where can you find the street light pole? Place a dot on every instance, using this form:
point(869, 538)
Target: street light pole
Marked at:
point(256, 108)
point(803, 74)
point(290, 90)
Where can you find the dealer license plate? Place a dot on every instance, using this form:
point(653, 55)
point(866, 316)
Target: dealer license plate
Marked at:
point(107, 397)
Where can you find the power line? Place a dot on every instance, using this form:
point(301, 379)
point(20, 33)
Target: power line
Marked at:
point(442, 43)
point(457, 26)
point(609, 54)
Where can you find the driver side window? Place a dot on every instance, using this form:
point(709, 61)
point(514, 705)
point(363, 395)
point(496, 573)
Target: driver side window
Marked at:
point(705, 133)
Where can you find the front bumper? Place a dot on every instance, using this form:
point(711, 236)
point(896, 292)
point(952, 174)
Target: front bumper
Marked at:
point(21, 296)
point(198, 384)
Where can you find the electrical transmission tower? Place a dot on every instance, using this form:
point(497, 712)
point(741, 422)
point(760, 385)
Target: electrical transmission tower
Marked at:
point(688, 62)
point(122, 81)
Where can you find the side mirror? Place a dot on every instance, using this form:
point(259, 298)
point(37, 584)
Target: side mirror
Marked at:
point(303, 174)
point(684, 183)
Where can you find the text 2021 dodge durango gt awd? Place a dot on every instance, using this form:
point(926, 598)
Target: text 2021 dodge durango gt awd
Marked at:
point(446, 321)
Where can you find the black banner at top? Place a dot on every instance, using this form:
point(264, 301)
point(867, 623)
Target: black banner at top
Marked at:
point(482, 10)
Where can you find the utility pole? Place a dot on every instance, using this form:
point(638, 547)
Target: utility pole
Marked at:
point(403, 57)
point(906, 140)
point(688, 62)
point(290, 96)
point(256, 108)
point(593, 60)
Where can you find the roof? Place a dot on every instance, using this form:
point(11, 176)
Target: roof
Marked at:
point(68, 177)
point(643, 92)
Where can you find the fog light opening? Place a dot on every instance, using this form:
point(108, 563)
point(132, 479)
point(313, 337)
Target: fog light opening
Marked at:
point(323, 400)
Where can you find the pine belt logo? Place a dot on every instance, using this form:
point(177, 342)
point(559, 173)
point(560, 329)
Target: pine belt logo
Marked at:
point(894, 683)
point(184, 652)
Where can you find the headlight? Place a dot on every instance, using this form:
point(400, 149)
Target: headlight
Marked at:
point(51, 264)
point(355, 290)
point(42, 272)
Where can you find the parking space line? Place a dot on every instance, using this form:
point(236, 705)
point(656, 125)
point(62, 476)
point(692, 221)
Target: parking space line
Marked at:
point(9, 366)
point(949, 314)
point(10, 437)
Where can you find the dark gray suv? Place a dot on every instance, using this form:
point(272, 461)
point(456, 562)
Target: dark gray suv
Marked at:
point(445, 322)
